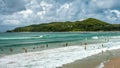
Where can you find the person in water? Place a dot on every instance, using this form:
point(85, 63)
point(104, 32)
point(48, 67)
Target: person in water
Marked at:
point(11, 50)
point(25, 50)
point(102, 45)
point(66, 44)
point(85, 46)
point(47, 45)
point(33, 47)
point(102, 49)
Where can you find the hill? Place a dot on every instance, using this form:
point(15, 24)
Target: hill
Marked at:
point(90, 24)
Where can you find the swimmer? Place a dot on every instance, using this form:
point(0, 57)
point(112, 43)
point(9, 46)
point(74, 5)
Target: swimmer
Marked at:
point(66, 44)
point(47, 45)
point(11, 50)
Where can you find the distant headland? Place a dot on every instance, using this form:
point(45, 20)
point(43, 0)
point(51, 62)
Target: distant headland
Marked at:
point(90, 24)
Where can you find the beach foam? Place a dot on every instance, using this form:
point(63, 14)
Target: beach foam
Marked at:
point(12, 38)
point(95, 37)
point(101, 65)
point(56, 57)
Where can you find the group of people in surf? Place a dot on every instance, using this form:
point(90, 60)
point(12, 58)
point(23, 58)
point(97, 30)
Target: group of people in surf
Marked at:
point(24, 49)
point(46, 46)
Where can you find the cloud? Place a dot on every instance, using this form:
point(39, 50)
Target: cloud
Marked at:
point(26, 12)
point(10, 22)
point(11, 6)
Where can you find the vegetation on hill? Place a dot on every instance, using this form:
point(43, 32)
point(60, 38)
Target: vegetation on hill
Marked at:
point(89, 24)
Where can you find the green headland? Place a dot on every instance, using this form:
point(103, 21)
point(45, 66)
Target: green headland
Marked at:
point(90, 24)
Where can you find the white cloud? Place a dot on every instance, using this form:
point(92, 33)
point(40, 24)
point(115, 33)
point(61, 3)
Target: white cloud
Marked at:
point(104, 3)
point(26, 13)
point(10, 22)
point(64, 11)
point(117, 12)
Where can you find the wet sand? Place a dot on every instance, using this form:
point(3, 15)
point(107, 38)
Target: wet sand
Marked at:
point(113, 63)
point(93, 61)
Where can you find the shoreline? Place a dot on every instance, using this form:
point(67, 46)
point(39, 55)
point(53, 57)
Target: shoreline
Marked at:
point(94, 61)
point(63, 32)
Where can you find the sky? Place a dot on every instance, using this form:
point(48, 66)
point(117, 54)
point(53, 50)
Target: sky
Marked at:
point(18, 13)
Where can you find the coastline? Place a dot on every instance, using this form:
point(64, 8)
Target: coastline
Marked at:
point(61, 32)
point(95, 61)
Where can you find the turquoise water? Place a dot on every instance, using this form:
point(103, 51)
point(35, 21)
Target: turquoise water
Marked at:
point(35, 41)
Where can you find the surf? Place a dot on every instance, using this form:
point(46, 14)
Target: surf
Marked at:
point(55, 57)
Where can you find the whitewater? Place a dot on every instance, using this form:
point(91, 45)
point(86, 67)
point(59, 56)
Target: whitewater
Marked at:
point(56, 57)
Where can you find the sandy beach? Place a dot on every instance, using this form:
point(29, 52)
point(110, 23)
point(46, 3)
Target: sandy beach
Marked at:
point(113, 63)
point(97, 61)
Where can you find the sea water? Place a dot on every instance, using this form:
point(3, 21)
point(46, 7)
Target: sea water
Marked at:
point(56, 54)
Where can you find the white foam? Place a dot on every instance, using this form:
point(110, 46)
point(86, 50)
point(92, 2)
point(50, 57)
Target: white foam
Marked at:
point(101, 65)
point(4, 38)
point(114, 37)
point(95, 37)
point(53, 58)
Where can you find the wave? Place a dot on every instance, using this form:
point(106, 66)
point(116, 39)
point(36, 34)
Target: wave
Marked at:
point(95, 37)
point(114, 37)
point(56, 57)
point(15, 38)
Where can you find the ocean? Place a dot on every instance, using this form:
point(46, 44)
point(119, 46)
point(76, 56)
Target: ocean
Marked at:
point(52, 49)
